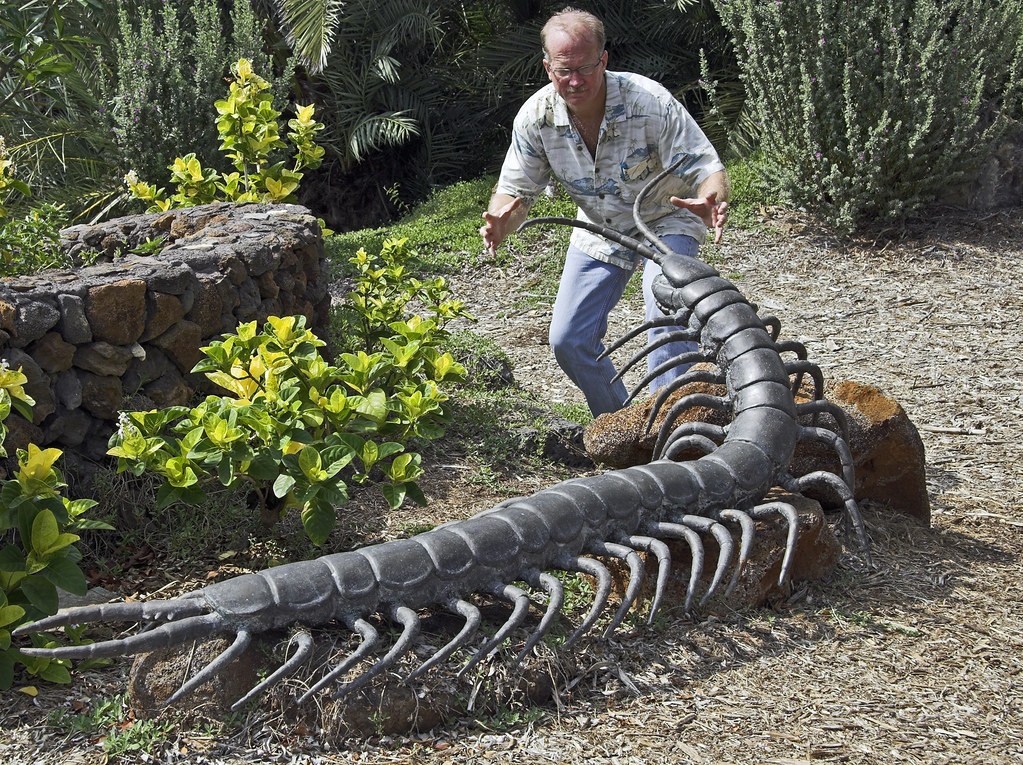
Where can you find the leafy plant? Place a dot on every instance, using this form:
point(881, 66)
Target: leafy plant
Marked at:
point(869, 110)
point(8, 183)
point(50, 109)
point(29, 243)
point(168, 68)
point(249, 135)
point(296, 429)
point(108, 715)
point(38, 555)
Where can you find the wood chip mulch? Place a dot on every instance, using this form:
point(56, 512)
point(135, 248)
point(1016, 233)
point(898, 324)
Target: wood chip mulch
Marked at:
point(916, 660)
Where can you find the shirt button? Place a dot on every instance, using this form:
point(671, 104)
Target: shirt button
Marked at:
point(608, 220)
point(600, 196)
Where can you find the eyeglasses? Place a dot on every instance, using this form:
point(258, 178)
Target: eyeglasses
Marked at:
point(563, 73)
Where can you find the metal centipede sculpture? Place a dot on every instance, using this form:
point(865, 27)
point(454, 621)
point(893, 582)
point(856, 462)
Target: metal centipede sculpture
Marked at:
point(616, 514)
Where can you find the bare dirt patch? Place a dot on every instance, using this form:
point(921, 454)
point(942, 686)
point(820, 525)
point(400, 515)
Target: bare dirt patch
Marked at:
point(915, 660)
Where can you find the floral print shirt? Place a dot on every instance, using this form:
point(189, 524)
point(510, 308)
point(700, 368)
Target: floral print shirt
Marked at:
point(643, 131)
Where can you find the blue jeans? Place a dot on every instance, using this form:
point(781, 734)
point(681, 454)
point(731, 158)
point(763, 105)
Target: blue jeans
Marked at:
point(588, 291)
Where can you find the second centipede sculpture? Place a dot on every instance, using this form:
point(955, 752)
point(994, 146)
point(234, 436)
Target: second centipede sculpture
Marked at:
point(566, 527)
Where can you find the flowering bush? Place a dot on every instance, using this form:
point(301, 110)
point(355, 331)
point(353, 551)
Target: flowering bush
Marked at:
point(870, 109)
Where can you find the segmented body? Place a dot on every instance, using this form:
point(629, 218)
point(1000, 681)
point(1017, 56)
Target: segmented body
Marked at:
point(615, 514)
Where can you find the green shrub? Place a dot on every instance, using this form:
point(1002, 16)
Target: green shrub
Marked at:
point(37, 552)
point(29, 243)
point(169, 67)
point(249, 135)
point(296, 429)
point(868, 110)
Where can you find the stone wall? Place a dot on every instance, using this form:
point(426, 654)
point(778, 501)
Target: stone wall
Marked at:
point(126, 331)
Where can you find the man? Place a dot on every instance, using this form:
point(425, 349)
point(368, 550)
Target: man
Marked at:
point(603, 135)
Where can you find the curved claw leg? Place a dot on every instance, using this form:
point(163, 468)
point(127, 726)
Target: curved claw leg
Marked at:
point(692, 357)
point(472, 623)
point(510, 593)
point(665, 339)
point(241, 642)
point(659, 549)
point(304, 643)
point(677, 446)
point(597, 570)
point(370, 638)
point(680, 406)
point(690, 376)
point(409, 620)
point(841, 447)
point(788, 512)
point(556, 593)
point(816, 408)
point(725, 548)
point(748, 530)
point(637, 572)
point(660, 321)
point(850, 511)
point(678, 531)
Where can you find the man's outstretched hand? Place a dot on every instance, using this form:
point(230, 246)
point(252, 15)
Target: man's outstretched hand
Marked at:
point(714, 214)
point(498, 223)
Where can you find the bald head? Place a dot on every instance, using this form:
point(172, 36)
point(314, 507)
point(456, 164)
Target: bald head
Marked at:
point(577, 25)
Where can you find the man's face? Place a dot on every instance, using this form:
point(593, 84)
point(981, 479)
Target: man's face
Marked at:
point(570, 53)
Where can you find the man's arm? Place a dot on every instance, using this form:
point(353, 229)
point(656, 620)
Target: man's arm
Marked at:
point(711, 202)
point(504, 214)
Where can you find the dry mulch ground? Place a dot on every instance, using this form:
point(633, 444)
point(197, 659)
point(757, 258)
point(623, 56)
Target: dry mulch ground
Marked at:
point(915, 660)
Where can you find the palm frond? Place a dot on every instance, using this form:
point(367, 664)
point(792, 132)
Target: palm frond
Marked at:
point(309, 27)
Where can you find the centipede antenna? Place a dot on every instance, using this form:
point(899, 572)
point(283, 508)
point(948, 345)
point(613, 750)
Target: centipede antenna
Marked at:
point(177, 608)
point(663, 555)
point(241, 642)
point(409, 620)
point(686, 534)
point(304, 646)
point(520, 609)
point(556, 594)
point(369, 639)
point(608, 233)
point(169, 634)
point(641, 197)
point(598, 571)
point(472, 623)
